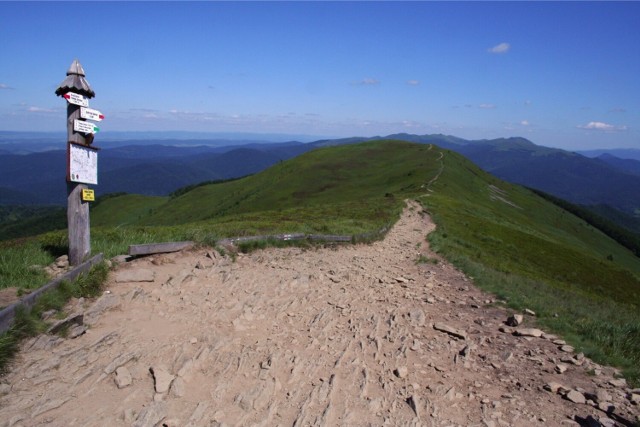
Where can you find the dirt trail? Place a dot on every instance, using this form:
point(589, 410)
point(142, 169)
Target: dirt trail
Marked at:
point(292, 337)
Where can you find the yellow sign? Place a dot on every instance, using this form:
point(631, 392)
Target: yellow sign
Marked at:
point(88, 195)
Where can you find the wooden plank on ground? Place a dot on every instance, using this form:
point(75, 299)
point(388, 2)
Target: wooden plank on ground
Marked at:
point(158, 248)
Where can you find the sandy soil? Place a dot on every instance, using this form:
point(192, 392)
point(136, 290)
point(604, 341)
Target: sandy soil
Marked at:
point(351, 335)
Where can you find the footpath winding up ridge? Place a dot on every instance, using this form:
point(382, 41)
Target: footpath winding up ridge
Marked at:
point(352, 335)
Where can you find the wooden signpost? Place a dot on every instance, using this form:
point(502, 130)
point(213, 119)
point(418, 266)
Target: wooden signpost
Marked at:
point(82, 159)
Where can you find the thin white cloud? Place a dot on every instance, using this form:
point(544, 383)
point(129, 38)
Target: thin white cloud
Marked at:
point(500, 48)
point(413, 82)
point(5, 86)
point(618, 110)
point(527, 102)
point(601, 126)
point(40, 110)
point(525, 123)
point(487, 106)
point(367, 82)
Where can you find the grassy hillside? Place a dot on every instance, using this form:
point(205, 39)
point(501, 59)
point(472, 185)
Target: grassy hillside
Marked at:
point(536, 255)
point(346, 189)
point(516, 244)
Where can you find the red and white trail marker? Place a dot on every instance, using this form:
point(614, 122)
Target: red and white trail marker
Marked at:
point(76, 99)
point(90, 114)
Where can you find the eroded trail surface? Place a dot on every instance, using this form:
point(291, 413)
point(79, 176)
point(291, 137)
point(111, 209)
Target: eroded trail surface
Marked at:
point(354, 335)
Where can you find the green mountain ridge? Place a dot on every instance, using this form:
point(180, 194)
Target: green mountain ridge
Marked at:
point(513, 242)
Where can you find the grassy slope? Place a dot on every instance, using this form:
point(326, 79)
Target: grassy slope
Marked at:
point(341, 190)
point(125, 210)
point(581, 283)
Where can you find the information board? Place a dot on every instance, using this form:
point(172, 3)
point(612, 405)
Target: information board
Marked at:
point(83, 164)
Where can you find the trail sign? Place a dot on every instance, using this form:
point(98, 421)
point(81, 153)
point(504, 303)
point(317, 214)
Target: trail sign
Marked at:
point(76, 99)
point(85, 127)
point(88, 113)
point(83, 164)
point(88, 195)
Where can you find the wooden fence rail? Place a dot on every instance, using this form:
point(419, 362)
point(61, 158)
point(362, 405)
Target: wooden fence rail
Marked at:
point(8, 313)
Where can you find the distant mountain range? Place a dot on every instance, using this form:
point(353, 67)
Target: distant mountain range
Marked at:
point(621, 153)
point(39, 178)
point(598, 178)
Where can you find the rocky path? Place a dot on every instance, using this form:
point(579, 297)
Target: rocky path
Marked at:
point(353, 335)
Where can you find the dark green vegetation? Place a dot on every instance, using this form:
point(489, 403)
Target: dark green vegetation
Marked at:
point(620, 234)
point(23, 221)
point(30, 323)
point(527, 250)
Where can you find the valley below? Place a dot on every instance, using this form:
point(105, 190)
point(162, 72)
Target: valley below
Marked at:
point(386, 333)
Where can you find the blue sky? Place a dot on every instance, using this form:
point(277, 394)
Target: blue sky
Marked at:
point(562, 74)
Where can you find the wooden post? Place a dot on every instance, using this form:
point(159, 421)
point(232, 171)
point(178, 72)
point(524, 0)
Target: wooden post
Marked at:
point(77, 210)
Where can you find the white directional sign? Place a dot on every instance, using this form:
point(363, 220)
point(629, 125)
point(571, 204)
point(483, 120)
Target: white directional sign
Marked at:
point(84, 127)
point(88, 113)
point(83, 164)
point(76, 99)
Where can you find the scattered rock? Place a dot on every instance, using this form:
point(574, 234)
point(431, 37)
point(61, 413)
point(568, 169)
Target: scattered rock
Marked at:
point(178, 387)
point(401, 372)
point(602, 396)
point(417, 317)
point(121, 259)
point(74, 319)
point(62, 262)
point(561, 369)
point(151, 415)
point(48, 314)
point(607, 407)
point(555, 388)
point(118, 362)
point(528, 332)
point(75, 331)
point(123, 377)
point(515, 320)
point(413, 403)
point(466, 350)
point(575, 397)
point(449, 330)
point(618, 382)
point(529, 312)
point(162, 378)
point(567, 349)
point(5, 389)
